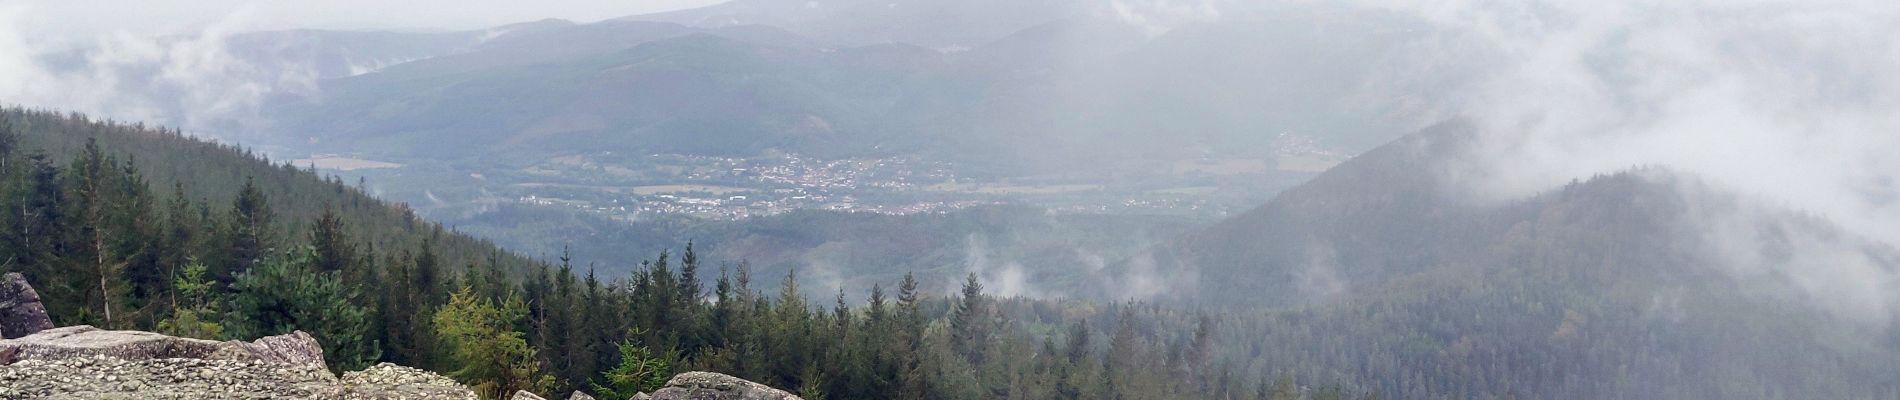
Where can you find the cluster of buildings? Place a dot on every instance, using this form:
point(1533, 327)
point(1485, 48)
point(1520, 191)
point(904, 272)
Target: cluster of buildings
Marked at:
point(774, 185)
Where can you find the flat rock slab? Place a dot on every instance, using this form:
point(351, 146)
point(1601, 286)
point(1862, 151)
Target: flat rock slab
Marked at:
point(296, 348)
point(717, 386)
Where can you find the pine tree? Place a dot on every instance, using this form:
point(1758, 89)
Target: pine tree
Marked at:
point(286, 294)
point(194, 315)
point(35, 232)
point(689, 285)
point(181, 228)
point(102, 284)
point(912, 382)
point(335, 252)
point(971, 326)
point(492, 357)
point(249, 230)
point(639, 371)
point(138, 244)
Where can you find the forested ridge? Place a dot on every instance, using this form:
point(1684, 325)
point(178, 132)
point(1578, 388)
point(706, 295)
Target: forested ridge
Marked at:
point(124, 226)
point(1589, 290)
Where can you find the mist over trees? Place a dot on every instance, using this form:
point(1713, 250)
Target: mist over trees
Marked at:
point(1615, 199)
point(380, 291)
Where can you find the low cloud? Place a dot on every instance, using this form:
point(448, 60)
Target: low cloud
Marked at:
point(1790, 103)
point(999, 278)
point(190, 80)
point(1155, 17)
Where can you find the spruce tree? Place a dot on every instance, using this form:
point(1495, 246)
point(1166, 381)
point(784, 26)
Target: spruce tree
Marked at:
point(971, 326)
point(248, 230)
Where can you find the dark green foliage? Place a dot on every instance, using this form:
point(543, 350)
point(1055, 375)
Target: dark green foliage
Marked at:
point(195, 315)
point(248, 231)
point(372, 283)
point(481, 340)
point(640, 371)
point(286, 293)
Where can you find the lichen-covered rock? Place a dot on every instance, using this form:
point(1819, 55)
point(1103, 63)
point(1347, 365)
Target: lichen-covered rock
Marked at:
point(387, 381)
point(296, 348)
point(578, 395)
point(83, 362)
point(21, 313)
point(103, 377)
point(524, 395)
point(717, 386)
point(641, 396)
point(38, 361)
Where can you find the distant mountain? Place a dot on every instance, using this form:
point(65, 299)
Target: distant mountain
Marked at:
point(1638, 284)
point(929, 23)
point(336, 54)
point(669, 89)
point(1060, 92)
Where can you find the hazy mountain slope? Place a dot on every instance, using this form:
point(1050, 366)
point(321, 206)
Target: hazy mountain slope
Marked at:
point(1641, 284)
point(696, 93)
point(211, 175)
point(333, 54)
point(1230, 86)
point(1017, 250)
point(931, 23)
point(1072, 91)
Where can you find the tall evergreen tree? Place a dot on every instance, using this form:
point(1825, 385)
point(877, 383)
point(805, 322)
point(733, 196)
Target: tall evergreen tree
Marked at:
point(335, 251)
point(286, 293)
point(971, 326)
point(248, 230)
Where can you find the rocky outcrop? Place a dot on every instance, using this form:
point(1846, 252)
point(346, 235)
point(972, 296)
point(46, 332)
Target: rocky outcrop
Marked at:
point(21, 313)
point(83, 362)
point(294, 349)
point(103, 377)
point(395, 382)
point(716, 386)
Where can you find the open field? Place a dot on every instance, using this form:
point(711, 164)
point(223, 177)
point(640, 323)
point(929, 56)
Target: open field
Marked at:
point(998, 188)
point(1307, 163)
point(343, 163)
point(714, 189)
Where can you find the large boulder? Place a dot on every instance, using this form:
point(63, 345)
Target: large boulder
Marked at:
point(82, 362)
point(21, 313)
point(38, 361)
point(717, 386)
point(296, 348)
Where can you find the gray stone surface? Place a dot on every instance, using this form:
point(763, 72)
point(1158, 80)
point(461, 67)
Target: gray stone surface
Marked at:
point(524, 395)
point(21, 313)
point(82, 362)
point(296, 348)
point(387, 381)
point(716, 386)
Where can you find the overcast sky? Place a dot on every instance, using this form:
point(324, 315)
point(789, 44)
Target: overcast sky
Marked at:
point(70, 20)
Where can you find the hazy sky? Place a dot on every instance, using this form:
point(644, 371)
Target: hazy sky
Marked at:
point(71, 20)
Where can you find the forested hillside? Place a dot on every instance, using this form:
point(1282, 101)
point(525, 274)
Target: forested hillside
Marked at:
point(1048, 254)
point(1374, 279)
point(1640, 284)
point(129, 227)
